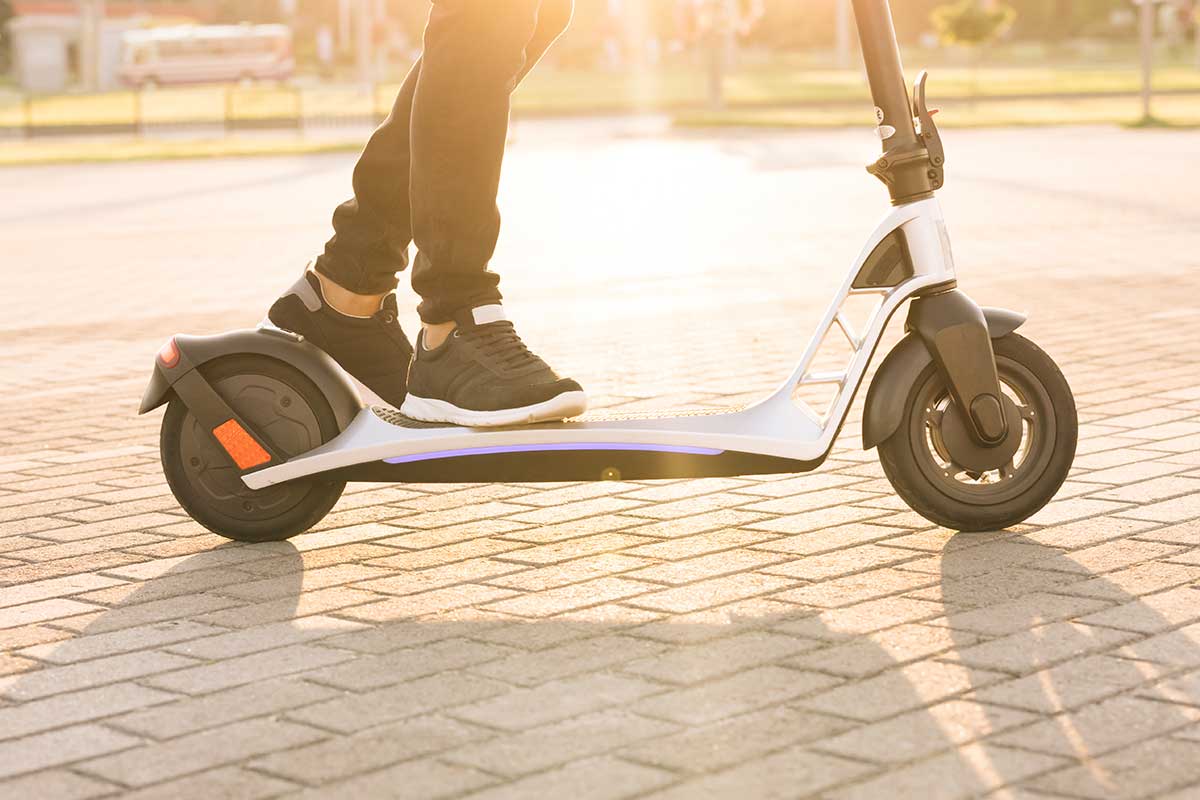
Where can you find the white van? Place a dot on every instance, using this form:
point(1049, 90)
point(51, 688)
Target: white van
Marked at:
point(206, 54)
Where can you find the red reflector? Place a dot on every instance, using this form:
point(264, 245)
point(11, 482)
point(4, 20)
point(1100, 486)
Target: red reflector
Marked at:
point(240, 445)
point(168, 355)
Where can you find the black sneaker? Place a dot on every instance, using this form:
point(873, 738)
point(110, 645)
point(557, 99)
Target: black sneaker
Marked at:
point(373, 349)
point(484, 375)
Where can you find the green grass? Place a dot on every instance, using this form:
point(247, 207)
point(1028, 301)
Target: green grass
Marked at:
point(677, 87)
point(1173, 112)
point(83, 152)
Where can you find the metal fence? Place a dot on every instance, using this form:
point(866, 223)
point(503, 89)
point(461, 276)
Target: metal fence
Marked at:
point(202, 109)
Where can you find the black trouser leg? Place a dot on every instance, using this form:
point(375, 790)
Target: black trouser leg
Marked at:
point(431, 171)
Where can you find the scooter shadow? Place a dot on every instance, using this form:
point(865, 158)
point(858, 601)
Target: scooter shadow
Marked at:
point(265, 668)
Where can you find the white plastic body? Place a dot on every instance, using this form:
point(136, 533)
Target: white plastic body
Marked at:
point(776, 426)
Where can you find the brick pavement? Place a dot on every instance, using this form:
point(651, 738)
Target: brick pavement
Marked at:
point(753, 637)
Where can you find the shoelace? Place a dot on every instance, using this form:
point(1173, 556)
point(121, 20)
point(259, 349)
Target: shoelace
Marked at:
point(499, 341)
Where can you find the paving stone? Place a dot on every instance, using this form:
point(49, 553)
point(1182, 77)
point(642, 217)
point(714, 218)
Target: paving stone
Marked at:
point(191, 714)
point(355, 712)
point(344, 757)
point(1039, 647)
point(577, 571)
point(264, 637)
point(57, 747)
point(56, 783)
point(1148, 769)
point(572, 658)
point(521, 709)
point(342, 599)
point(434, 601)
point(220, 782)
point(86, 674)
point(173, 608)
point(1151, 613)
point(1100, 728)
point(417, 581)
point(565, 598)
point(412, 780)
point(550, 745)
point(54, 588)
point(199, 751)
point(839, 624)
point(841, 562)
point(1177, 648)
point(695, 663)
point(735, 740)
point(374, 671)
point(918, 734)
point(589, 779)
point(82, 706)
point(737, 694)
point(1135, 581)
point(1022, 613)
point(712, 565)
point(711, 592)
point(852, 589)
point(794, 772)
point(899, 690)
point(244, 669)
point(1111, 556)
point(1070, 685)
point(43, 611)
point(756, 613)
point(880, 651)
point(972, 771)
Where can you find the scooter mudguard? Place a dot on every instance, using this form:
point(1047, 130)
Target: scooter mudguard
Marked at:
point(181, 355)
point(888, 394)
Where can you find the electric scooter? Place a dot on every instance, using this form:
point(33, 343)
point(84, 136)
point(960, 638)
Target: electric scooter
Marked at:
point(976, 427)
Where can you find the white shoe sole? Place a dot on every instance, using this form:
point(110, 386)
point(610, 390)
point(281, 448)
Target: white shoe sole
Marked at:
point(567, 404)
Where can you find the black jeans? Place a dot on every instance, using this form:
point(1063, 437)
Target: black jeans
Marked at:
point(431, 171)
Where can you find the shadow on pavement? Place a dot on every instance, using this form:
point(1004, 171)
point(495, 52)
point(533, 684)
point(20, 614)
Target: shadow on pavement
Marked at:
point(262, 670)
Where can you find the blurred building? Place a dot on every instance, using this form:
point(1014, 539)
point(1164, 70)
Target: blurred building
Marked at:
point(50, 44)
point(61, 43)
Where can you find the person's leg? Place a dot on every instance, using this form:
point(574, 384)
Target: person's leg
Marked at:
point(484, 374)
point(476, 52)
point(373, 230)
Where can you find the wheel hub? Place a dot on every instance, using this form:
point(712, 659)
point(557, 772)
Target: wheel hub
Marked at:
point(288, 424)
point(969, 454)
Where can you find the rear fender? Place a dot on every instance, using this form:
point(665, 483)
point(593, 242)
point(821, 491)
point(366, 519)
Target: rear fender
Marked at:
point(182, 354)
point(889, 390)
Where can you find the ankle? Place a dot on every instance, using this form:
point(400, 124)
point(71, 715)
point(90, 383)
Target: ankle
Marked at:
point(433, 336)
point(347, 302)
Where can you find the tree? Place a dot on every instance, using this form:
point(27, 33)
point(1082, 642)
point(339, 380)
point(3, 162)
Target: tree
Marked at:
point(969, 24)
point(6, 14)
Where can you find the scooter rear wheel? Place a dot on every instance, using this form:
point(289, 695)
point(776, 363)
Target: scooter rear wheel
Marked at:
point(926, 476)
point(282, 406)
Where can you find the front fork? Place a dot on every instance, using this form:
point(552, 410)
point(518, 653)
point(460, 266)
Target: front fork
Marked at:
point(955, 333)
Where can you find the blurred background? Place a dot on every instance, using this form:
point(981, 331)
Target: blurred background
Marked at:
point(325, 69)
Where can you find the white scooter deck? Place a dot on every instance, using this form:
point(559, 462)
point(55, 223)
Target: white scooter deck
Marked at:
point(778, 434)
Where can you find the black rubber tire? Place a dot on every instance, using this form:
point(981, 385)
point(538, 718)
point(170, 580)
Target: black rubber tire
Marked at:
point(268, 515)
point(1017, 359)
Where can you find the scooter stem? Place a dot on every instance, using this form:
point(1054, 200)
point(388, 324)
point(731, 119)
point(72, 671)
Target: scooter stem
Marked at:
point(905, 167)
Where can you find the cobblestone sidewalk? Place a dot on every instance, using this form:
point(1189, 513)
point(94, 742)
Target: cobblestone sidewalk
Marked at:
point(786, 636)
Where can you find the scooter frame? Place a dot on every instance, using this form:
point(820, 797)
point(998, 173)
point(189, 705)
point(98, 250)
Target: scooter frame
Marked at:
point(907, 257)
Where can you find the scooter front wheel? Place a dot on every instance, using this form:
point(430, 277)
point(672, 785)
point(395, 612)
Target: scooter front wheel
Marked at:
point(290, 413)
point(925, 475)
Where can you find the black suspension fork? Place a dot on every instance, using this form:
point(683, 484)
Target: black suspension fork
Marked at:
point(955, 332)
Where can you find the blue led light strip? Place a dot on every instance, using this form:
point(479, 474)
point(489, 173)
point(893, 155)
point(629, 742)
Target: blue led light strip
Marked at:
point(536, 448)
